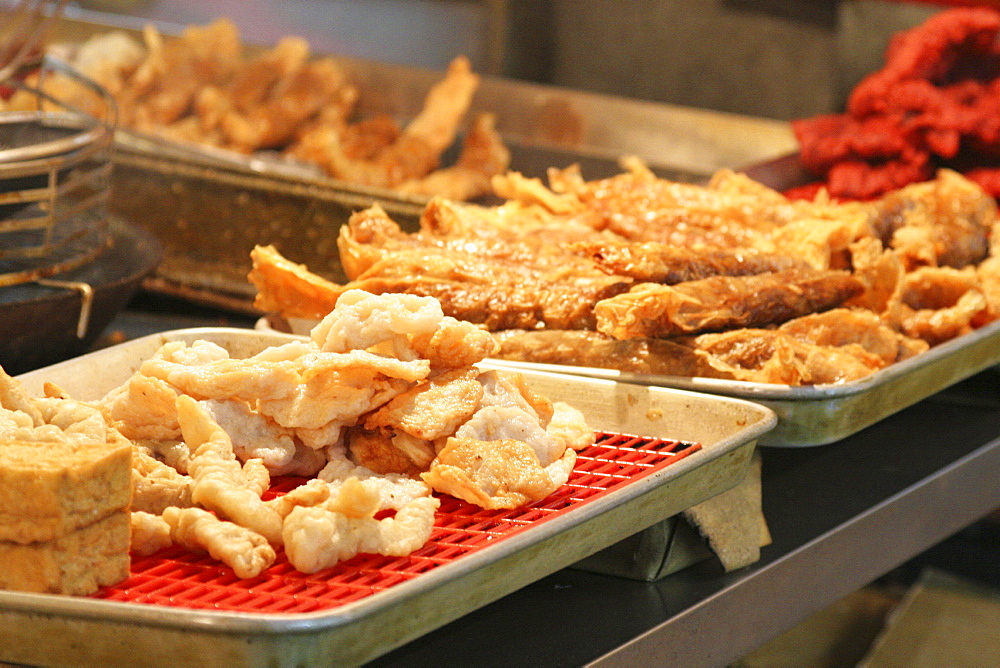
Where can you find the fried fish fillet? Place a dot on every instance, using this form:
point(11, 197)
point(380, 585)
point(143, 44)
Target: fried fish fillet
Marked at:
point(722, 302)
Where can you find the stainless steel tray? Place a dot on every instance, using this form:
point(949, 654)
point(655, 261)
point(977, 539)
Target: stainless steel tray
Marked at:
point(59, 630)
point(821, 414)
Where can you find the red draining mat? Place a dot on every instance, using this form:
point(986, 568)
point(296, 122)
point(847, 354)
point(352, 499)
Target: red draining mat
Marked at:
point(180, 578)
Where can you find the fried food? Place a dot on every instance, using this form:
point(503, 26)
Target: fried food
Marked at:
point(652, 310)
point(240, 548)
point(416, 151)
point(944, 222)
point(156, 485)
point(203, 88)
point(65, 494)
point(652, 262)
point(433, 408)
point(219, 480)
point(560, 273)
point(319, 537)
point(288, 287)
point(76, 563)
point(662, 357)
point(483, 156)
point(496, 474)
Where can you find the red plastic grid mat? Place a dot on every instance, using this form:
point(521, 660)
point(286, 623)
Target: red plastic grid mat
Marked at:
point(178, 577)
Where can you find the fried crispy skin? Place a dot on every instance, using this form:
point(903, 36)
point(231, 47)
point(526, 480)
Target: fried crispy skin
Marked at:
point(652, 262)
point(722, 302)
point(289, 288)
point(592, 349)
point(943, 222)
point(640, 208)
point(602, 273)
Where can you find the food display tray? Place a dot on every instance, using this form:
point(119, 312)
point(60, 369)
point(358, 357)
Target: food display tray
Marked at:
point(659, 452)
point(821, 414)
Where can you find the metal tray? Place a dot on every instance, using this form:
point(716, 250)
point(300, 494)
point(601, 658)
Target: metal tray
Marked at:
point(55, 630)
point(822, 414)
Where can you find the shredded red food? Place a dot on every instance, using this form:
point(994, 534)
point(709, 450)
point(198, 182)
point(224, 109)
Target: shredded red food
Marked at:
point(935, 103)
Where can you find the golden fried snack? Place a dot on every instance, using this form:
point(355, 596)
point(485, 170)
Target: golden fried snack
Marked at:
point(652, 262)
point(770, 356)
point(164, 85)
point(377, 450)
point(156, 485)
point(989, 279)
point(245, 551)
point(433, 408)
point(496, 474)
point(219, 480)
point(722, 302)
point(415, 152)
point(150, 533)
point(288, 288)
point(592, 349)
point(842, 327)
point(319, 537)
point(483, 156)
point(942, 222)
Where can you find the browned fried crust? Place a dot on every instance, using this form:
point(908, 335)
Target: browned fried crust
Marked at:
point(652, 262)
point(722, 302)
point(593, 349)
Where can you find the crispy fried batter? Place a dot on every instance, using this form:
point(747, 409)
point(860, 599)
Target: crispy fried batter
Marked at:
point(496, 474)
point(652, 262)
point(319, 537)
point(722, 302)
point(219, 481)
point(246, 552)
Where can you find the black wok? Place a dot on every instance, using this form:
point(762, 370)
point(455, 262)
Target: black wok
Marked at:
point(39, 323)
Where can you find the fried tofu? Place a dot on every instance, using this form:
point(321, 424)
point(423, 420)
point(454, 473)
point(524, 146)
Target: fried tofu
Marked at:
point(76, 563)
point(50, 489)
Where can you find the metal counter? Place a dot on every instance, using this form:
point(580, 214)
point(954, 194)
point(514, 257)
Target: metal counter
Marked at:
point(841, 515)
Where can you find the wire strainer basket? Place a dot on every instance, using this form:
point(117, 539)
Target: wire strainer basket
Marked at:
point(54, 169)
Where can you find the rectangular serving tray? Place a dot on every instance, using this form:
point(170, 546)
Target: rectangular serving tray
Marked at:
point(60, 630)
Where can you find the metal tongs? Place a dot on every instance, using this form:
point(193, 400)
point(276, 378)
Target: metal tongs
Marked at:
point(25, 26)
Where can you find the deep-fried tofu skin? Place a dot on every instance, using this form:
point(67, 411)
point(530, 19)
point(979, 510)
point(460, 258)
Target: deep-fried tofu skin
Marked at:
point(652, 262)
point(841, 327)
point(943, 222)
point(592, 349)
point(769, 356)
point(722, 302)
point(289, 288)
